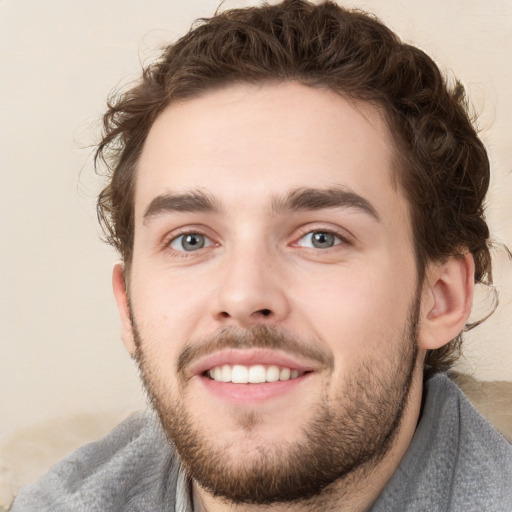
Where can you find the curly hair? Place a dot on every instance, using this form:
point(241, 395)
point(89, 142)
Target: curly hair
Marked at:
point(443, 168)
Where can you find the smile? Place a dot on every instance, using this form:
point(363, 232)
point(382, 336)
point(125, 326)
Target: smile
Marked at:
point(250, 377)
point(254, 374)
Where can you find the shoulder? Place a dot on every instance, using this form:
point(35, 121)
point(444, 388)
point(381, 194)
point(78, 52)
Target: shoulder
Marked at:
point(482, 468)
point(457, 461)
point(449, 412)
point(125, 467)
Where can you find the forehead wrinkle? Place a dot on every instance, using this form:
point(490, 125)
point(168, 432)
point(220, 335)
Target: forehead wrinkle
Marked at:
point(192, 201)
point(304, 199)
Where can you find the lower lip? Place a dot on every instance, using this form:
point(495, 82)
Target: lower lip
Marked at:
point(252, 393)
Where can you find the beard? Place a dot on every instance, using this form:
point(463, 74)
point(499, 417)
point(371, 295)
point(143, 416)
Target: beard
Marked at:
point(346, 436)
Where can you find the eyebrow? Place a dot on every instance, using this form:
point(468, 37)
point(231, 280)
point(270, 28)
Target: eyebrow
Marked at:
point(301, 199)
point(305, 199)
point(193, 201)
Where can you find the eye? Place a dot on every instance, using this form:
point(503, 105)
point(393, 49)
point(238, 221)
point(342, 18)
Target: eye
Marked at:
point(190, 242)
point(320, 240)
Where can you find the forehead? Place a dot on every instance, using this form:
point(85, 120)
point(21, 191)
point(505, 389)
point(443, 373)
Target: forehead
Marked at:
point(253, 143)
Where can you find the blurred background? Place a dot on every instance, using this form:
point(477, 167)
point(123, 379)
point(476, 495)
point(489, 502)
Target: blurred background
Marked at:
point(65, 377)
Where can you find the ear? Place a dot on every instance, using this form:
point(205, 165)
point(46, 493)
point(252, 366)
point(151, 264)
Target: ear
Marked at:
point(446, 301)
point(119, 286)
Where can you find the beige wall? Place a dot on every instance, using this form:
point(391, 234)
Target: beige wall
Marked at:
point(61, 353)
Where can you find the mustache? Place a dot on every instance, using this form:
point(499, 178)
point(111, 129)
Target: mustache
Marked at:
point(261, 336)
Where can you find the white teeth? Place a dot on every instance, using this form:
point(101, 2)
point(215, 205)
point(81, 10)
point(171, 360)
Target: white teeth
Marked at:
point(256, 374)
point(239, 374)
point(285, 374)
point(272, 374)
point(217, 373)
point(226, 373)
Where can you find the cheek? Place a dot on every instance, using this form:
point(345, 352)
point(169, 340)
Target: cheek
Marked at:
point(166, 309)
point(357, 312)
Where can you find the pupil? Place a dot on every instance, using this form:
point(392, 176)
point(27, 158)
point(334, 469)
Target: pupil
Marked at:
point(193, 242)
point(321, 239)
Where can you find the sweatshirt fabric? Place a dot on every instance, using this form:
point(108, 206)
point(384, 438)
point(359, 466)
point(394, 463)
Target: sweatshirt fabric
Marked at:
point(457, 462)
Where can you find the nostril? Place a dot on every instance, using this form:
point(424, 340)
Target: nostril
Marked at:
point(265, 312)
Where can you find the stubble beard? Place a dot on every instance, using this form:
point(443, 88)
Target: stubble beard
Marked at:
point(341, 440)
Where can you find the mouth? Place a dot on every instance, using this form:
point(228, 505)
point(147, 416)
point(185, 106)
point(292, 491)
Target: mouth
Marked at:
point(251, 376)
point(254, 374)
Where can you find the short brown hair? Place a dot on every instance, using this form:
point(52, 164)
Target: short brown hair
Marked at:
point(443, 165)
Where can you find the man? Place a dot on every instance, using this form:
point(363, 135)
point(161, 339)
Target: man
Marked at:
point(297, 199)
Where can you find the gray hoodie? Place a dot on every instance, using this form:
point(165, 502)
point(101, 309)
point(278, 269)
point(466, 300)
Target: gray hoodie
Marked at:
point(456, 462)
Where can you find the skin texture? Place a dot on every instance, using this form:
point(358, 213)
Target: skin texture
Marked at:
point(237, 169)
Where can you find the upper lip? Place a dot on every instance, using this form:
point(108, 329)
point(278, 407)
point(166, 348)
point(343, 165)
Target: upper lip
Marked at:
point(249, 357)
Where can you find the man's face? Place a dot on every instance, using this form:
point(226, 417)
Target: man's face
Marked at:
point(272, 251)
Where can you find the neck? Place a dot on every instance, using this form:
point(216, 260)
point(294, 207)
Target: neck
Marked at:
point(354, 493)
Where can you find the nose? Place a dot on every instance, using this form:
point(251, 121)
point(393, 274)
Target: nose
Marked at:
point(251, 290)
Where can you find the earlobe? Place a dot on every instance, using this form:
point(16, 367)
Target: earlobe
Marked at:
point(121, 295)
point(446, 301)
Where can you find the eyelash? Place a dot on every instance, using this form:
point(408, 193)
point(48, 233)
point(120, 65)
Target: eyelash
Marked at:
point(307, 230)
point(167, 242)
point(344, 239)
